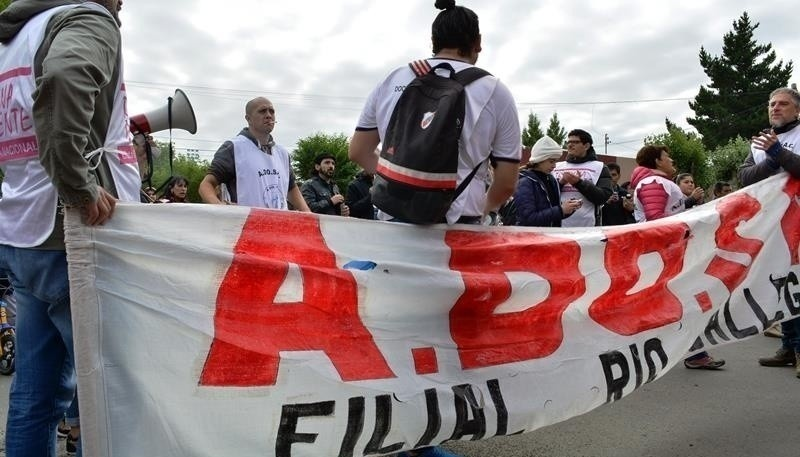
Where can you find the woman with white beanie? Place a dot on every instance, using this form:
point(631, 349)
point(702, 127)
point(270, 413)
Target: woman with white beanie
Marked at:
point(538, 197)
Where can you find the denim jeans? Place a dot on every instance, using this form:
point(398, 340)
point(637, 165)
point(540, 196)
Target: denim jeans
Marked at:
point(44, 382)
point(791, 334)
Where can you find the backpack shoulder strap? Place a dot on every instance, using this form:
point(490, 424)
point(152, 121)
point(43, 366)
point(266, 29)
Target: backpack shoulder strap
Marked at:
point(420, 67)
point(468, 75)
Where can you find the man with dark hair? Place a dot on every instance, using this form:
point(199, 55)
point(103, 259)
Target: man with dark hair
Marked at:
point(491, 125)
point(490, 129)
point(65, 145)
point(255, 170)
point(618, 210)
point(722, 188)
point(321, 192)
point(583, 177)
point(773, 151)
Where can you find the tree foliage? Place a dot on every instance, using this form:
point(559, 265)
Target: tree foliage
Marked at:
point(742, 78)
point(532, 132)
point(555, 130)
point(725, 160)
point(687, 151)
point(4, 4)
point(309, 147)
point(190, 166)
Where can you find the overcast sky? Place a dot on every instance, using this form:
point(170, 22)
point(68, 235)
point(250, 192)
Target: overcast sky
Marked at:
point(613, 67)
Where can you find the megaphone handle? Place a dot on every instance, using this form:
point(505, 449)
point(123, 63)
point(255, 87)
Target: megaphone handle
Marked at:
point(169, 124)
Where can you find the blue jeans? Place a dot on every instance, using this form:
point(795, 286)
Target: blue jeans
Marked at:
point(73, 420)
point(791, 334)
point(44, 382)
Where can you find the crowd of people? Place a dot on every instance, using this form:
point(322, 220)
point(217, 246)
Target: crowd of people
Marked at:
point(77, 113)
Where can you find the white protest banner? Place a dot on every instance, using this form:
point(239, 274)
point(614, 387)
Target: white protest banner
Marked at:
point(211, 330)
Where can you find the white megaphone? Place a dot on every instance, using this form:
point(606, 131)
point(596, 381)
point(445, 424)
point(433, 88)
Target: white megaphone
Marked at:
point(177, 114)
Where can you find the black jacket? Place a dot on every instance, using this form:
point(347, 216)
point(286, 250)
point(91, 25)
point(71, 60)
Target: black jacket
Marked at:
point(358, 197)
point(318, 193)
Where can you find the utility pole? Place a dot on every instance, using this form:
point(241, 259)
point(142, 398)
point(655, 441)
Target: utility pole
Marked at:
point(605, 151)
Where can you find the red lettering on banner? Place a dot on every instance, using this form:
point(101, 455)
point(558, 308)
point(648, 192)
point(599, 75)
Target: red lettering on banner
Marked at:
point(732, 211)
point(654, 306)
point(251, 329)
point(790, 224)
point(487, 339)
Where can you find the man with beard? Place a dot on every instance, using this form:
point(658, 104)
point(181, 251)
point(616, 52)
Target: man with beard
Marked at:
point(771, 152)
point(321, 192)
point(65, 143)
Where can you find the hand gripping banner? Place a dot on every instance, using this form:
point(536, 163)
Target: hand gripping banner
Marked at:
point(210, 330)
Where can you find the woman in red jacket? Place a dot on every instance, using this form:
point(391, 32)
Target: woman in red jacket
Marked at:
point(656, 196)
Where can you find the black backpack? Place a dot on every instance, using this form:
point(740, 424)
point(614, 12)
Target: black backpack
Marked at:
point(417, 171)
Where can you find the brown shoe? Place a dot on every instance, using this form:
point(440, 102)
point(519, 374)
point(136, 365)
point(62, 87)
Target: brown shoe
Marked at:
point(783, 358)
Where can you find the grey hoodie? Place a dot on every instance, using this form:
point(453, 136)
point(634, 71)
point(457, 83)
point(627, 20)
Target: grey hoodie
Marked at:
point(76, 69)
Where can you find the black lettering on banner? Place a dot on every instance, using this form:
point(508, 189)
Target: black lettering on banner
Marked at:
point(434, 418)
point(616, 384)
point(792, 299)
point(499, 406)
point(287, 431)
point(737, 333)
point(713, 325)
point(697, 345)
point(355, 426)
point(637, 364)
point(464, 396)
point(759, 312)
point(654, 346)
point(383, 424)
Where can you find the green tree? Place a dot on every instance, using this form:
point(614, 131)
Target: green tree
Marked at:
point(532, 132)
point(4, 4)
point(188, 165)
point(725, 160)
point(555, 130)
point(687, 151)
point(734, 102)
point(309, 147)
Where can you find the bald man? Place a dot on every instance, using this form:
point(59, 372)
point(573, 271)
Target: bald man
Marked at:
point(256, 171)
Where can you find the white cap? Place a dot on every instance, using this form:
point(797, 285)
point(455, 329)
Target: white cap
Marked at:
point(545, 148)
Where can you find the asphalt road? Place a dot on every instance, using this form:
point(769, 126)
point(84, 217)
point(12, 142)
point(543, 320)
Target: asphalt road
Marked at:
point(744, 410)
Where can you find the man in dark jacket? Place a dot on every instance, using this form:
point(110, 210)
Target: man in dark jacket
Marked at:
point(775, 150)
point(321, 192)
point(358, 199)
point(618, 210)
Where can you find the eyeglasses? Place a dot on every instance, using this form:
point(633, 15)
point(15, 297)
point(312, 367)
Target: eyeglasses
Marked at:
point(574, 142)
